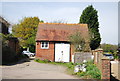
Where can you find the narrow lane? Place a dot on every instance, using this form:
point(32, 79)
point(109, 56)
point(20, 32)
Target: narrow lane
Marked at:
point(34, 70)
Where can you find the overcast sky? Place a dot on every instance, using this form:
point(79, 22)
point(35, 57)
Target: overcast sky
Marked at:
point(69, 12)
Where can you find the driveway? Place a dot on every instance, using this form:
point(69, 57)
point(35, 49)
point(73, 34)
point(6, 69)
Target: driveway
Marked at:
point(34, 70)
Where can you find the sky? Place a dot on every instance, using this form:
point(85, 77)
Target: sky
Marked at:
point(68, 12)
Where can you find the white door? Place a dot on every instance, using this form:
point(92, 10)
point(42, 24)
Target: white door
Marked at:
point(62, 52)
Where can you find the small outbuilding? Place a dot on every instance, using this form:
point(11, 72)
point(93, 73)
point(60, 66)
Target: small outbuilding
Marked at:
point(52, 41)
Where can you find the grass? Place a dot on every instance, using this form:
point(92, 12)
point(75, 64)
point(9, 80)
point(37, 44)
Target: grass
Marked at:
point(92, 72)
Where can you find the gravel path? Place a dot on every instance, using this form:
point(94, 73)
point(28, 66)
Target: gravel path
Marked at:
point(34, 70)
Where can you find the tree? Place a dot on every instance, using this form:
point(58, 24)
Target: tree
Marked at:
point(109, 47)
point(78, 41)
point(26, 30)
point(89, 16)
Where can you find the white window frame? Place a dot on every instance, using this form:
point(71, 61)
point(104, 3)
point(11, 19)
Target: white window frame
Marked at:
point(43, 45)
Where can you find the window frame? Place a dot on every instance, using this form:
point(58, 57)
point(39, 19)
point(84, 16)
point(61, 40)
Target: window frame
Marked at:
point(43, 45)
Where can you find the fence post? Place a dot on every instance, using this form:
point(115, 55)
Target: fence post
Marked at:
point(98, 53)
point(95, 56)
point(106, 68)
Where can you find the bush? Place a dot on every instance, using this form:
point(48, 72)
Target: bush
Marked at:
point(92, 71)
point(81, 74)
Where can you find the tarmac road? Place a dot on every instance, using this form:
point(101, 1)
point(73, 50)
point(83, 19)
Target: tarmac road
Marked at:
point(34, 70)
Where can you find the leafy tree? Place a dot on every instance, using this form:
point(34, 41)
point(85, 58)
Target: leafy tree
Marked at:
point(109, 47)
point(78, 41)
point(26, 30)
point(89, 16)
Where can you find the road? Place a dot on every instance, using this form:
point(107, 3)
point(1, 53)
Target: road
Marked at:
point(34, 70)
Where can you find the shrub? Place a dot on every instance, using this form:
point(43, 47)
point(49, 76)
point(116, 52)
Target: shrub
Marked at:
point(92, 71)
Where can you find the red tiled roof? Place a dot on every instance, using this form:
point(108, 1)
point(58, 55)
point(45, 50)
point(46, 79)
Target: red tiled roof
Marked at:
point(59, 31)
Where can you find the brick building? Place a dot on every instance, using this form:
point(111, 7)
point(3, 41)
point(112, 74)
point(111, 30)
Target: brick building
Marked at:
point(52, 42)
point(10, 45)
point(4, 26)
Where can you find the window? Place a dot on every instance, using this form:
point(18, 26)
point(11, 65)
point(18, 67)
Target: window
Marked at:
point(44, 45)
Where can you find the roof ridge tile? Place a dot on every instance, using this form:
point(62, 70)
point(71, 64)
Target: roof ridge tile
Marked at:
point(64, 23)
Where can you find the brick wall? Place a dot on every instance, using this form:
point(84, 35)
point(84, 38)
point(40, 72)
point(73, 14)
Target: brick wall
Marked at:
point(45, 53)
point(49, 53)
point(106, 68)
point(103, 64)
point(98, 54)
